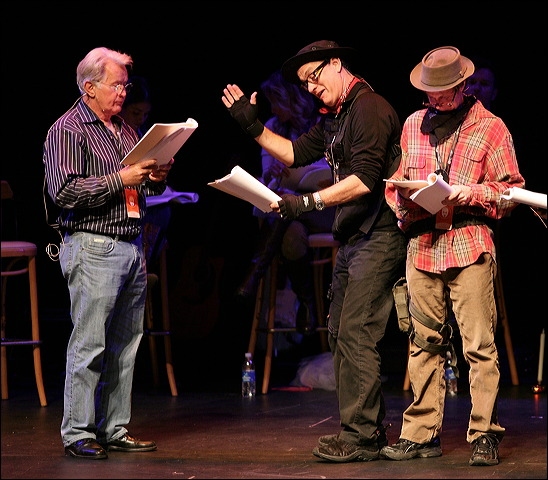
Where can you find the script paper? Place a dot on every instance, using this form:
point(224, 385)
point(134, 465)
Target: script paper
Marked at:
point(241, 184)
point(520, 195)
point(431, 192)
point(162, 142)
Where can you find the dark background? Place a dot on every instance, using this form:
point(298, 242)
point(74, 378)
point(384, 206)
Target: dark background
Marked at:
point(189, 52)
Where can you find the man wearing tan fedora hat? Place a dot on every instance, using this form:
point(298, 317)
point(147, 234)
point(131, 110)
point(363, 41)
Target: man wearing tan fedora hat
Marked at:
point(451, 257)
point(359, 134)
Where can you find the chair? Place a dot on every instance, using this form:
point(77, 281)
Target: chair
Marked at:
point(324, 251)
point(19, 258)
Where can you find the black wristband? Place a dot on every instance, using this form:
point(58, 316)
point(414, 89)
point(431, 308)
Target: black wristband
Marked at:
point(256, 129)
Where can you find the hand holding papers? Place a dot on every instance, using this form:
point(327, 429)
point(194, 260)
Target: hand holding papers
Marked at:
point(241, 184)
point(431, 192)
point(162, 142)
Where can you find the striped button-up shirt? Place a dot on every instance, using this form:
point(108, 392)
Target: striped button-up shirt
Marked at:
point(82, 162)
point(484, 159)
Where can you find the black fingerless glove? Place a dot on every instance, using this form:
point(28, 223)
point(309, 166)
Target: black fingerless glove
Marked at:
point(291, 206)
point(246, 115)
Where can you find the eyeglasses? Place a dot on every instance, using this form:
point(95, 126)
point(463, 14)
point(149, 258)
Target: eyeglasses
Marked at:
point(119, 87)
point(314, 76)
point(437, 105)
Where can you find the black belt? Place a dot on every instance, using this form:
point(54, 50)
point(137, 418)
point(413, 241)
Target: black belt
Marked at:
point(460, 220)
point(115, 237)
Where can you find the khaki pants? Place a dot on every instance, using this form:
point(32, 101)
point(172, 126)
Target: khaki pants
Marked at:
point(471, 290)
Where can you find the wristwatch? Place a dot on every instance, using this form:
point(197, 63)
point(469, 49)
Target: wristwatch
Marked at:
point(318, 201)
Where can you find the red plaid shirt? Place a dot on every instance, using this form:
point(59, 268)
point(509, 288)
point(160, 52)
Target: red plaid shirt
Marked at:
point(484, 159)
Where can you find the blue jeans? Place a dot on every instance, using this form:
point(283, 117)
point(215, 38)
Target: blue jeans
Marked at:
point(107, 285)
point(365, 271)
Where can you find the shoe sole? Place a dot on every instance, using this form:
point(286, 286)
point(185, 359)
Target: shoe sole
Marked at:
point(327, 439)
point(483, 463)
point(358, 456)
point(124, 449)
point(68, 453)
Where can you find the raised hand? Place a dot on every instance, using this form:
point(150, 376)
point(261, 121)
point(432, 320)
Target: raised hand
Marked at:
point(243, 110)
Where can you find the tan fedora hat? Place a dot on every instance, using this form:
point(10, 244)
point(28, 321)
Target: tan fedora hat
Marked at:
point(441, 69)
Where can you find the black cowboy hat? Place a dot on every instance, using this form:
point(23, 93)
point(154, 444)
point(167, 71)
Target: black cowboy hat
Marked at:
point(320, 50)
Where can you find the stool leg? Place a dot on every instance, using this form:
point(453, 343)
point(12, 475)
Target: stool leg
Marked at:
point(36, 331)
point(5, 394)
point(149, 321)
point(166, 324)
point(319, 292)
point(256, 316)
point(501, 307)
point(271, 316)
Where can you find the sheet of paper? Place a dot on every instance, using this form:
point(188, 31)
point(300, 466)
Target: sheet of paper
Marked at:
point(431, 192)
point(432, 196)
point(520, 195)
point(162, 142)
point(241, 184)
point(408, 183)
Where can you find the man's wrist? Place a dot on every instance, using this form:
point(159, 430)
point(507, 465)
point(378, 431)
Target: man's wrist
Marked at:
point(318, 202)
point(256, 129)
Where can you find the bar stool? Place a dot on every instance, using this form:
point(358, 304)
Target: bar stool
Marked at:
point(21, 254)
point(324, 248)
point(151, 331)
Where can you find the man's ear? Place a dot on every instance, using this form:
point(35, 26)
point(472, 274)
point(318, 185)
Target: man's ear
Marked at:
point(89, 89)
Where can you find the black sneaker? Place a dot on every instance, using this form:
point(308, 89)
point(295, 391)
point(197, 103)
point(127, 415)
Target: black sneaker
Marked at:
point(486, 451)
point(337, 450)
point(326, 439)
point(382, 441)
point(406, 450)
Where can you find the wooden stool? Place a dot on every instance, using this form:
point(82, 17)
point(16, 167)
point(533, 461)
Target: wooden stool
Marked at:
point(324, 248)
point(151, 332)
point(22, 252)
point(320, 244)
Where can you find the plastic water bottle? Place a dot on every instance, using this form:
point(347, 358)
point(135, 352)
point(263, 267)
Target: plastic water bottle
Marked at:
point(248, 376)
point(450, 377)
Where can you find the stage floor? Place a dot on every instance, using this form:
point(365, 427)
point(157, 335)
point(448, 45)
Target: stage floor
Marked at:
point(220, 435)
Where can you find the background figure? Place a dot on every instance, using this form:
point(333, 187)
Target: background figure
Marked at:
point(482, 84)
point(101, 208)
point(452, 254)
point(137, 105)
point(135, 112)
point(294, 112)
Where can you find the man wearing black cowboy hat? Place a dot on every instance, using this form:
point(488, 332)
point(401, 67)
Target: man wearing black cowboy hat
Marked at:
point(452, 252)
point(359, 134)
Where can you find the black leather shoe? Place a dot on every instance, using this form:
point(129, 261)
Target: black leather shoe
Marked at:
point(86, 448)
point(129, 444)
